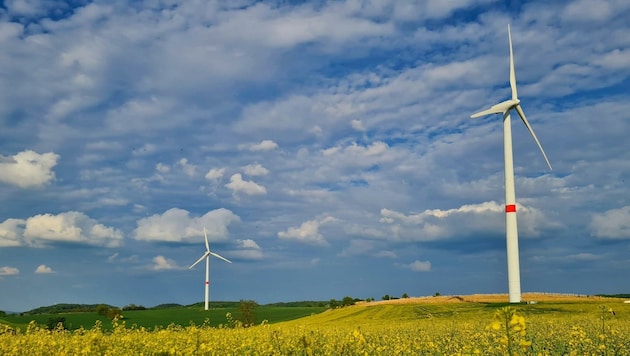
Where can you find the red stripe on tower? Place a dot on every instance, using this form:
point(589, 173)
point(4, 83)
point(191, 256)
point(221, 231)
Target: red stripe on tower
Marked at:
point(207, 282)
point(510, 208)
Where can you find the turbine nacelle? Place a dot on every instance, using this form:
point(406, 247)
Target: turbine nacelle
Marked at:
point(500, 108)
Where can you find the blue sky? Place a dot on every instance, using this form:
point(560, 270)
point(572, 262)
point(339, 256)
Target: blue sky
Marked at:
point(327, 146)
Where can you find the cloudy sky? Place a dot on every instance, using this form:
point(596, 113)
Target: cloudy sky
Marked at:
point(327, 146)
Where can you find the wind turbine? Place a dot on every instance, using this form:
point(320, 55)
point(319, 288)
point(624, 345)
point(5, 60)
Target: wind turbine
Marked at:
point(207, 257)
point(511, 233)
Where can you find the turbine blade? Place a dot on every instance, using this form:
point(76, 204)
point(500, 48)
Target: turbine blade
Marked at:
point(221, 257)
point(499, 108)
point(512, 74)
point(199, 260)
point(206, 236)
point(531, 131)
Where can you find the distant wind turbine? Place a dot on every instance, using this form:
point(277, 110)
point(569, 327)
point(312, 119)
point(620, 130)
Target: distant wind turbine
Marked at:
point(514, 275)
point(206, 255)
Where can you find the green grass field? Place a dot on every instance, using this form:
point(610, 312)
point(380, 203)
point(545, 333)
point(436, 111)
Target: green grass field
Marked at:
point(152, 318)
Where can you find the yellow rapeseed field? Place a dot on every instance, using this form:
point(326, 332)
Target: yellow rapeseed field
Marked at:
point(594, 329)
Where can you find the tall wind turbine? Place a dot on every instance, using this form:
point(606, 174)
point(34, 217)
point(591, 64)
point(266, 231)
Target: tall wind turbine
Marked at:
point(511, 233)
point(207, 257)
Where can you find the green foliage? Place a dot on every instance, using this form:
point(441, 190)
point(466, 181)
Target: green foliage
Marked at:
point(133, 307)
point(247, 312)
point(66, 308)
point(56, 323)
point(347, 301)
point(405, 295)
point(109, 312)
point(624, 296)
point(386, 297)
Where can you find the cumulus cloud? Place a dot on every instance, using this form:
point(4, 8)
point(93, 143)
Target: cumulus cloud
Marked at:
point(73, 227)
point(355, 150)
point(43, 269)
point(238, 185)
point(161, 263)
point(68, 227)
point(176, 225)
point(612, 224)
point(28, 169)
point(308, 232)
point(188, 168)
point(9, 271)
point(247, 250)
point(419, 266)
point(11, 232)
point(484, 218)
point(265, 145)
point(162, 168)
point(255, 169)
point(215, 174)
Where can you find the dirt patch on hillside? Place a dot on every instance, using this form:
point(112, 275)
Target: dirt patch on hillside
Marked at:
point(492, 298)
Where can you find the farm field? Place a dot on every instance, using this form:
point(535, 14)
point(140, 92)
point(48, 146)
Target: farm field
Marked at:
point(152, 318)
point(435, 326)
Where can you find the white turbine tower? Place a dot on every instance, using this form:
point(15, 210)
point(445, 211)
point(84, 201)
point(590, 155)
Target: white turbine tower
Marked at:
point(511, 233)
point(207, 257)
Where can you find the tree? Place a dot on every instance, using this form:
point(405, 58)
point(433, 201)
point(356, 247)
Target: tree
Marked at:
point(333, 304)
point(247, 312)
point(386, 297)
point(56, 323)
point(437, 294)
point(404, 295)
point(347, 301)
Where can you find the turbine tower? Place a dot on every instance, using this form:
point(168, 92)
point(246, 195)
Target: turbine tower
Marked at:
point(206, 255)
point(511, 233)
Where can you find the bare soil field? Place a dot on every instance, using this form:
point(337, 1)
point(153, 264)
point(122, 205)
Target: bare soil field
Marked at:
point(494, 298)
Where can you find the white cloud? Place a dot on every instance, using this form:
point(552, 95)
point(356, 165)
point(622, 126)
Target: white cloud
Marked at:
point(28, 169)
point(612, 224)
point(247, 250)
point(265, 145)
point(470, 219)
point(11, 232)
point(9, 271)
point(255, 170)
point(308, 232)
point(44, 229)
point(188, 168)
point(419, 266)
point(587, 10)
point(215, 174)
point(43, 269)
point(248, 244)
point(358, 125)
point(161, 263)
point(72, 227)
point(176, 225)
point(162, 168)
point(238, 185)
